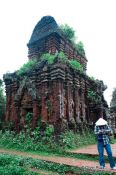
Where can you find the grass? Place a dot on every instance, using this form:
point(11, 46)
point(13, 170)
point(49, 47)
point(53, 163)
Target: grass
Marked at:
point(17, 165)
point(68, 140)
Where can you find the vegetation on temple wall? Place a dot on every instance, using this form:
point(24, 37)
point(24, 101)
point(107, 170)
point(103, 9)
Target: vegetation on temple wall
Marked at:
point(76, 65)
point(93, 96)
point(68, 31)
point(48, 57)
point(72, 62)
point(80, 48)
point(62, 56)
point(113, 101)
point(92, 78)
point(26, 67)
point(2, 101)
point(70, 34)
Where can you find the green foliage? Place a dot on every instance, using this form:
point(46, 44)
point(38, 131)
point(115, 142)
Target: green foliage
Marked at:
point(27, 67)
point(72, 62)
point(12, 165)
point(76, 65)
point(62, 57)
point(68, 31)
point(49, 131)
point(17, 165)
point(36, 142)
point(70, 34)
point(92, 78)
point(39, 140)
point(113, 100)
point(2, 101)
point(29, 117)
point(71, 140)
point(93, 96)
point(49, 57)
point(80, 48)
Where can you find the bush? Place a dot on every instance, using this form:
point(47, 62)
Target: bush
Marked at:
point(76, 65)
point(68, 31)
point(45, 141)
point(71, 140)
point(26, 67)
point(48, 57)
point(70, 34)
point(80, 48)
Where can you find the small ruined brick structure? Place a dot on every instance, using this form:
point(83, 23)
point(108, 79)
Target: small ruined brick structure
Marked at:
point(55, 93)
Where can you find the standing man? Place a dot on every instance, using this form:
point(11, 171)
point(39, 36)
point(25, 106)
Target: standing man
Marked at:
point(102, 130)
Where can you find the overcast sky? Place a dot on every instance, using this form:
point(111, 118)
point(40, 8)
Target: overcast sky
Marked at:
point(93, 20)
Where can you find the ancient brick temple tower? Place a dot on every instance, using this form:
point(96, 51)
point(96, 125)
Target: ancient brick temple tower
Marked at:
point(55, 93)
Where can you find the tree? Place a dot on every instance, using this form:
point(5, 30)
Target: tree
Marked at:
point(2, 101)
point(113, 100)
point(68, 31)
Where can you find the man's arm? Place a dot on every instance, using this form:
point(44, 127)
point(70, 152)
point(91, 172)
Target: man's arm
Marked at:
point(108, 130)
point(97, 130)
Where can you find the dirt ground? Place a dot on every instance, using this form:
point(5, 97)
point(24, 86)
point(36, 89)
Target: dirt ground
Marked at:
point(92, 149)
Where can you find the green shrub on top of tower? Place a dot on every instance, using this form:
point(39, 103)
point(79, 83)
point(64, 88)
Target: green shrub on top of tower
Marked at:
point(70, 34)
point(26, 67)
point(68, 31)
point(48, 57)
point(61, 55)
point(76, 65)
point(80, 48)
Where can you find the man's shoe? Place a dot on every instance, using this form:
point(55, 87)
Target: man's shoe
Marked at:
point(114, 168)
point(101, 167)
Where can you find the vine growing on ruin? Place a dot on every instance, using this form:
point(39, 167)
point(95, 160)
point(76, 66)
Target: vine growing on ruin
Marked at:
point(93, 96)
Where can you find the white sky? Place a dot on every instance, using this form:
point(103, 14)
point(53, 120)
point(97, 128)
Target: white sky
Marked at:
point(93, 20)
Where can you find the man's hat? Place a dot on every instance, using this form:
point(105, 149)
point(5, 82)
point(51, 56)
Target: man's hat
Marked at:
point(101, 122)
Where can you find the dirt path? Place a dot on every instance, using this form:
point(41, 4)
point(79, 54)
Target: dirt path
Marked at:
point(64, 160)
point(92, 150)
